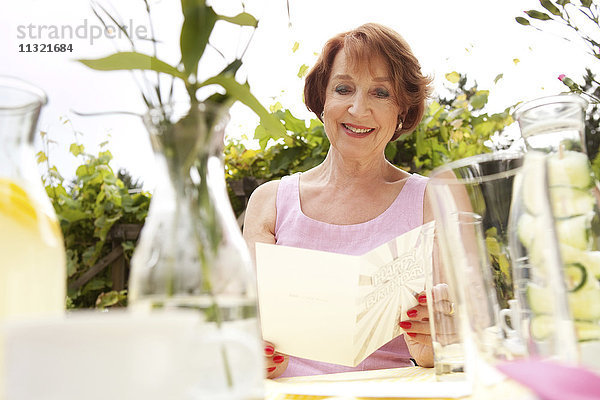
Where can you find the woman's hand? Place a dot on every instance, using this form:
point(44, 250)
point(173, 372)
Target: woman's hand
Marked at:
point(418, 332)
point(417, 328)
point(275, 362)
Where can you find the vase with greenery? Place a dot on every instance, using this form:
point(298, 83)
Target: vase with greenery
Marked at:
point(191, 254)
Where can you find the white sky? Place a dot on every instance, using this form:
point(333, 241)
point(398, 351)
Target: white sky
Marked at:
point(476, 37)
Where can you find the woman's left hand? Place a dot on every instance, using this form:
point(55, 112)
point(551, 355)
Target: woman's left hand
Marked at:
point(417, 328)
point(418, 332)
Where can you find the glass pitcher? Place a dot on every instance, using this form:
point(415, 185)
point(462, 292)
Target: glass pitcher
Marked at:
point(555, 128)
point(32, 254)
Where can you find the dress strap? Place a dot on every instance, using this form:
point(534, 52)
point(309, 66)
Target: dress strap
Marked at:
point(288, 198)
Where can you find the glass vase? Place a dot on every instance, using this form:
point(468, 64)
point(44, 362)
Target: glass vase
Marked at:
point(32, 254)
point(191, 254)
point(553, 129)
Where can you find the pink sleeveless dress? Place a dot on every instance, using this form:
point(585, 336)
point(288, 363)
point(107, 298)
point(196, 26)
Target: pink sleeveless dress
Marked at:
point(293, 228)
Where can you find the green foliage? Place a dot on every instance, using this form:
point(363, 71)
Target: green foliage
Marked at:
point(451, 129)
point(304, 146)
point(87, 208)
point(568, 14)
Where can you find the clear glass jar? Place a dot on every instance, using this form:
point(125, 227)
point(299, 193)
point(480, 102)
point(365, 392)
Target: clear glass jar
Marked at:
point(554, 127)
point(32, 254)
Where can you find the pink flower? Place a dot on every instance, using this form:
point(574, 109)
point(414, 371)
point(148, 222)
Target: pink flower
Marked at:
point(561, 77)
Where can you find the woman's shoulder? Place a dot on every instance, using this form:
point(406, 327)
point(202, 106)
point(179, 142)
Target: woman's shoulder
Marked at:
point(260, 214)
point(265, 191)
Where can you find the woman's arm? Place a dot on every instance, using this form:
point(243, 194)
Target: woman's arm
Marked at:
point(259, 222)
point(259, 226)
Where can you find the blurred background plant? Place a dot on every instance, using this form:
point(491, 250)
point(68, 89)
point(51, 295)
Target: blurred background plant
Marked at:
point(88, 208)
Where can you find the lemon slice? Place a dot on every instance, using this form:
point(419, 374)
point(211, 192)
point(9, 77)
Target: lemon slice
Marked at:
point(16, 204)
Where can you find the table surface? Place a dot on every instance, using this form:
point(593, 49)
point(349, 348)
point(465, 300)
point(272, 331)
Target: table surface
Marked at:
point(399, 383)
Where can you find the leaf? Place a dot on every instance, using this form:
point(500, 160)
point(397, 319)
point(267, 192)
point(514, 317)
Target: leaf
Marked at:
point(542, 16)
point(586, 3)
point(237, 91)
point(261, 134)
point(390, 151)
point(107, 299)
point(516, 61)
point(198, 23)
point(547, 4)
point(72, 264)
point(242, 19)
point(291, 123)
point(275, 107)
point(498, 77)
point(284, 159)
point(72, 215)
point(453, 77)
point(479, 99)
point(302, 71)
point(41, 157)
point(131, 60)
point(522, 21)
point(295, 47)
point(96, 283)
point(76, 149)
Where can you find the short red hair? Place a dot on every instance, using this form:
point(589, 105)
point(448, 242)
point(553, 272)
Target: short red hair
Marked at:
point(411, 87)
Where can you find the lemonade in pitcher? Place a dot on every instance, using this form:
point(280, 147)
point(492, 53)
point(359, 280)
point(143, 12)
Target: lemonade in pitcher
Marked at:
point(32, 254)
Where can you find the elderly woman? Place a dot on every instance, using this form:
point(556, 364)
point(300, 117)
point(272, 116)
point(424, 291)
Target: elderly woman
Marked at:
point(368, 89)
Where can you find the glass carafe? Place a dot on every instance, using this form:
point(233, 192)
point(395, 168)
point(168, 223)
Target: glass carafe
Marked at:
point(191, 254)
point(555, 128)
point(32, 254)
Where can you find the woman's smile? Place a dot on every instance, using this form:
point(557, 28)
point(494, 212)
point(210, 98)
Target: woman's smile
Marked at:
point(358, 131)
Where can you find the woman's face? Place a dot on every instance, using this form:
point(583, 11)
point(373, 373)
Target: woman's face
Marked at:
point(360, 112)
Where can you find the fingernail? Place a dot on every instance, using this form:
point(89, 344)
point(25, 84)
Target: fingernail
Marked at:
point(271, 369)
point(411, 334)
point(278, 359)
point(269, 350)
point(412, 313)
point(405, 325)
point(422, 298)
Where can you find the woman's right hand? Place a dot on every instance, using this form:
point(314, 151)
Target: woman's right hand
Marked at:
point(275, 362)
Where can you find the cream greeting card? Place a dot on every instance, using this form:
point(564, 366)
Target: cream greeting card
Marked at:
point(339, 308)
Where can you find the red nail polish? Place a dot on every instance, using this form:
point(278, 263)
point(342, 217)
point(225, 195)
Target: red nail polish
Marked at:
point(271, 369)
point(278, 359)
point(269, 350)
point(405, 325)
point(411, 334)
point(422, 299)
point(412, 313)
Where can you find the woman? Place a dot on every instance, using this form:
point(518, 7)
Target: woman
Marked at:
point(368, 89)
